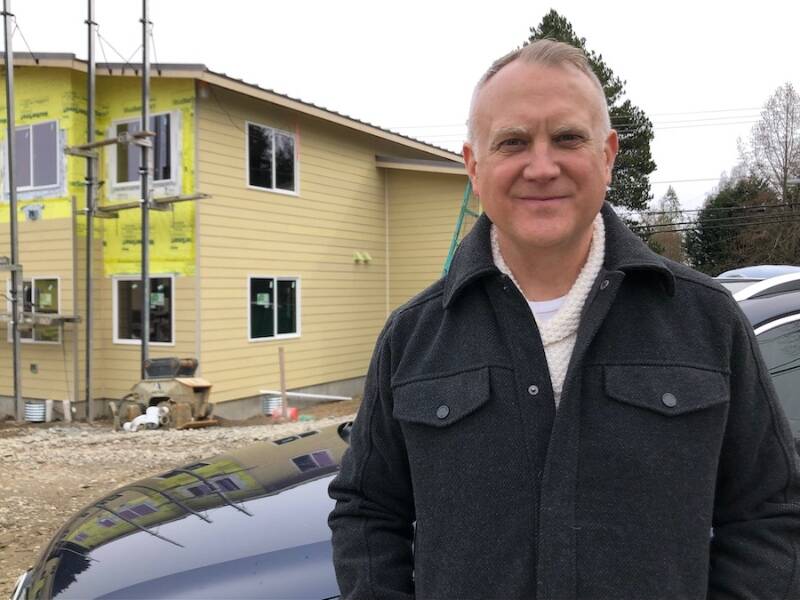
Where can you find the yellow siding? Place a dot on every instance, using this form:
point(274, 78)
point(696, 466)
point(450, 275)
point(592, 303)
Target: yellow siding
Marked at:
point(344, 204)
point(45, 251)
point(339, 209)
point(423, 208)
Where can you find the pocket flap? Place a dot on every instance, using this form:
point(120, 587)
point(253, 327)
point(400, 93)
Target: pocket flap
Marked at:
point(442, 400)
point(668, 390)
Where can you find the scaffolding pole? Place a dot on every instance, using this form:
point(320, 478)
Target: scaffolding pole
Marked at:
point(91, 189)
point(144, 169)
point(16, 272)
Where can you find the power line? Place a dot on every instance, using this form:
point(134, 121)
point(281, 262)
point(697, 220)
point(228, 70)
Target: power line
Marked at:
point(759, 207)
point(694, 226)
point(689, 112)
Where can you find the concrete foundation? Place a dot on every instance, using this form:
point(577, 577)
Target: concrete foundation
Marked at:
point(242, 408)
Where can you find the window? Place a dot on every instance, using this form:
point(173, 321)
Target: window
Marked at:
point(128, 310)
point(129, 156)
point(780, 347)
point(270, 158)
point(273, 307)
point(36, 156)
point(39, 296)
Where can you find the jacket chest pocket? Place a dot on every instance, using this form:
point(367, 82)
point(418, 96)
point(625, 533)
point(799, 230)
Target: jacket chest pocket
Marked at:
point(652, 423)
point(458, 428)
point(666, 390)
point(441, 401)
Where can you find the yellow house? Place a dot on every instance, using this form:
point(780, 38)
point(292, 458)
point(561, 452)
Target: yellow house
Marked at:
point(316, 226)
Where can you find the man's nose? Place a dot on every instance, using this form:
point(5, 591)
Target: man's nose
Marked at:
point(540, 163)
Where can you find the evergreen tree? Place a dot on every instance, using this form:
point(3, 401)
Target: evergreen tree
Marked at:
point(630, 187)
point(739, 226)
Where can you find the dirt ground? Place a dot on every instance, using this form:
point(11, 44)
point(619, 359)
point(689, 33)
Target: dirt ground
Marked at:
point(51, 470)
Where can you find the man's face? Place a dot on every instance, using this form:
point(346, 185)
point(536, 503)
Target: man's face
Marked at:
point(541, 159)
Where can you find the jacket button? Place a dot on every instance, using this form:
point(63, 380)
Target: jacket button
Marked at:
point(669, 400)
point(533, 390)
point(604, 284)
point(443, 411)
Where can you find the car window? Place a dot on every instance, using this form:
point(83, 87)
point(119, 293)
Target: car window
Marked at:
point(780, 347)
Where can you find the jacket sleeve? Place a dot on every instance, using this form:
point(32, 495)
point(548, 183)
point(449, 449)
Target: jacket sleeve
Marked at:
point(372, 522)
point(754, 549)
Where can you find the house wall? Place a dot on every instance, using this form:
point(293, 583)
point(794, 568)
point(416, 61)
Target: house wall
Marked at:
point(46, 242)
point(344, 204)
point(172, 232)
point(339, 209)
point(423, 209)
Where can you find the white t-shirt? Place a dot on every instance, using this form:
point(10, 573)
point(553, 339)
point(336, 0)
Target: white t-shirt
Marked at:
point(544, 311)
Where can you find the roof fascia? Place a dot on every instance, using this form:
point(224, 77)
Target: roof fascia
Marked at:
point(261, 94)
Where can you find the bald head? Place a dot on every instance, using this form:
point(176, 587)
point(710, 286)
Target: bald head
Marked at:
point(547, 53)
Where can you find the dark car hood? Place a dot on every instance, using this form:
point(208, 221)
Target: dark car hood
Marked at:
point(251, 523)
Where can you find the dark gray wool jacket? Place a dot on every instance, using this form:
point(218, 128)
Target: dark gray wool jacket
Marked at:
point(668, 427)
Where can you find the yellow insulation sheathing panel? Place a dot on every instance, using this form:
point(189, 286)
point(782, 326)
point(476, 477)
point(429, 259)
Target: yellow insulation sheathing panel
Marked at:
point(172, 236)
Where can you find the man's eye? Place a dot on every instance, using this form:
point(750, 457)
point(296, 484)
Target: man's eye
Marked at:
point(511, 143)
point(568, 138)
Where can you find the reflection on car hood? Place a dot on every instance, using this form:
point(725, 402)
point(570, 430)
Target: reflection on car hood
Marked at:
point(249, 523)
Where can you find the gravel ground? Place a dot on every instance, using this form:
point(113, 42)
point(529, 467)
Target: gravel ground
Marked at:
point(52, 470)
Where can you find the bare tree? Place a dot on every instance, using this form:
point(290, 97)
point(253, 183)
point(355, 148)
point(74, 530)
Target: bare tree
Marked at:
point(661, 225)
point(774, 152)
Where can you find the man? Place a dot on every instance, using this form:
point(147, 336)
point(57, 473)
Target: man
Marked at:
point(566, 414)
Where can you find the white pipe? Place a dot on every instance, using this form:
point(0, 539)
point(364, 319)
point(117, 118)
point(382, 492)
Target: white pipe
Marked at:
point(303, 395)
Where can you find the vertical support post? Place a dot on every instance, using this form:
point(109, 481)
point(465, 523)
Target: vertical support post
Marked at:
point(16, 271)
point(76, 383)
point(91, 189)
point(284, 396)
point(144, 170)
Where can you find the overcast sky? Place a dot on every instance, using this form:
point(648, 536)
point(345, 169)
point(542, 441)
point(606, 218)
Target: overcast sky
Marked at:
point(701, 70)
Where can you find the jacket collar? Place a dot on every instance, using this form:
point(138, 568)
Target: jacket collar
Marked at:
point(624, 252)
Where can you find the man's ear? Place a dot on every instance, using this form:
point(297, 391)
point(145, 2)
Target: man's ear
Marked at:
point(610, 149)
point(471, 164)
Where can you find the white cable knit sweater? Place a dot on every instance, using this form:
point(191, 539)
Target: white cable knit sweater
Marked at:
point(559, 332)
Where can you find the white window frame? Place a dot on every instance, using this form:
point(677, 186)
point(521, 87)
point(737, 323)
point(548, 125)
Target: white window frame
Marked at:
point(115, 308)
point(123, 189)
point(277, 336)
point(272, 190)
point(33, 279)
point(34, 191)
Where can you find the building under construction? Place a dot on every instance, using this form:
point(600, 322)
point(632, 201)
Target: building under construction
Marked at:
point(310, 227)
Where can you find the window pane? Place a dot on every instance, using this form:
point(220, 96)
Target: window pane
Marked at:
point(781, 350)
point(161, 147)
point(46, 295)
point(161, 309)
point(284, 162)
point(128, 155)
point(27, 296)
point(26, 333)
point(45, 154)
point(46, 333)
point(259, 143)
point(129, 310)
point(22, 157)
point(287, 307)
point(262, 308)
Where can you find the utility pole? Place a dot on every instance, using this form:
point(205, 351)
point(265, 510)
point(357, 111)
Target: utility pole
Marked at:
point(16, 271)
point(144, 170)
point(91, 189)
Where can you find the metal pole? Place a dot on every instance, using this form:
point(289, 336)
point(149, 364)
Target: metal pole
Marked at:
point(144, 169)
point(16, 272)
point(90, 206)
